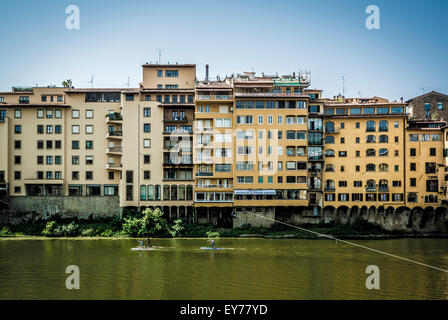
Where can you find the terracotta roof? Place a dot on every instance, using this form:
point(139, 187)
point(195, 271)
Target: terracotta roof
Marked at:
point(185, 65)
point(427, 94)
point(28, 105)
point(81, 90)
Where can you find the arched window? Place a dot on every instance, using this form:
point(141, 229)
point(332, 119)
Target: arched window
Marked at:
point(173, 192)
point(189, 192)
point(383, 139)
point(158, 192)
point(329, 167)
point(329, 185)
point(150, 192)
point(166, 192)
point(143, 193)
point(329, 127)
point(181, 192)
point(370, 139)
point(383, 185)
point(329, 139)
point(412, 197)
point(384, 167)
point(370, 167)
point(370, 153)
point(383, 152)
point(370, 126)
point(329, 153)
point(371, 185)
point(384, 126)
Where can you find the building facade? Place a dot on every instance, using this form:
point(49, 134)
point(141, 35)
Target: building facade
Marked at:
point(243, 150)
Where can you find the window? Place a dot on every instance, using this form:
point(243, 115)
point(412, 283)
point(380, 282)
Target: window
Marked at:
point(40, 113)
point(147, 127)
point(49, 160)
point(370, 139)
point(89, 159)
point(17, 159)
point(49, 129)
point(49, 144)
point(370, 126)
point(171, 73)
point(49, 114)
point(89, 144)
point(17, 113)
point(439, 106)
point(58, 128)
point(17, 144)
point(146, 159)
point(89, 114)
point(146, 143)
point(432, 152)
point(370, 153)
point(384, 139)
point(75, 129)
point(430, 167)
point(89, 129)
point(129, 97)
point(342, 153)
point(370, 167)
point(17, 129)
point(384, 125)
point(75, 114)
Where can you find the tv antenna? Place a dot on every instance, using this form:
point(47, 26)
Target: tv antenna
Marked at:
point(343, 85)
point(423, 89)
point(128, 83)
point(91, 81)
point(359, 93)
point(159, 51)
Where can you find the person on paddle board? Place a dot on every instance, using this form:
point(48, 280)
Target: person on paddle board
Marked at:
point(212, 242)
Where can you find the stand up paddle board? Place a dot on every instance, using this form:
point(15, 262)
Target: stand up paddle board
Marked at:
point(210, 248)
point(142, 249)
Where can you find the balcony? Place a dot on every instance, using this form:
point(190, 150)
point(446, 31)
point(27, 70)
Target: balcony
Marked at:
point(177, 120)
point(383, 188)
point(115, 150)
point(213, 97)
point(114, 118)
point(315, 158)
point(329, 188)
point(114, 135)
point(371, 189)
point(204, 174)
point(316, 142)
point(114, 166)
point(214, 186)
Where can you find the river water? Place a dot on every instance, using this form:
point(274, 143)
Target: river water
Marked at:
point(244, 269)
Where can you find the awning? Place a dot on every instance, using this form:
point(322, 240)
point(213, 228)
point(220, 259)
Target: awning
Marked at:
point(255, 192)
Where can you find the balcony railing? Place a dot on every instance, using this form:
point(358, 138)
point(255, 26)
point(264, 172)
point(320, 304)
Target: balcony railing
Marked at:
point(204, 174)
point(329, 188)
point(115, 150)
point(114, 117)
point(214, 97)
point(115, 134)
point(214, 186)
point(383, 188)
point(371, 189)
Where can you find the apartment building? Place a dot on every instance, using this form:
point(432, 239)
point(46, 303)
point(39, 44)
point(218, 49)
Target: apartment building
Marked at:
point(364, 154)
point(228, 152)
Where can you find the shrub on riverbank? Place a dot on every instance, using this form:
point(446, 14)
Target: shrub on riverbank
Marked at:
point(150, 223)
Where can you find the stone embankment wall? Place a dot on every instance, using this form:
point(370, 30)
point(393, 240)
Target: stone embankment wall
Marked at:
point(28, 209)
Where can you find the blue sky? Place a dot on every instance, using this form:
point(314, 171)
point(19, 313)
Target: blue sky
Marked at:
point(328, 37)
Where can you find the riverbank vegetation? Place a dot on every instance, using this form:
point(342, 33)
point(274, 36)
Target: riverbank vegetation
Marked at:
point(151, 223)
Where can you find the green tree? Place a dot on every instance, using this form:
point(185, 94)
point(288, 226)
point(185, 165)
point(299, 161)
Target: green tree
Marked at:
point(67, 83)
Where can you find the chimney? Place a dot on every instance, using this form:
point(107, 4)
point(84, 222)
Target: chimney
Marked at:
point(206, 72)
